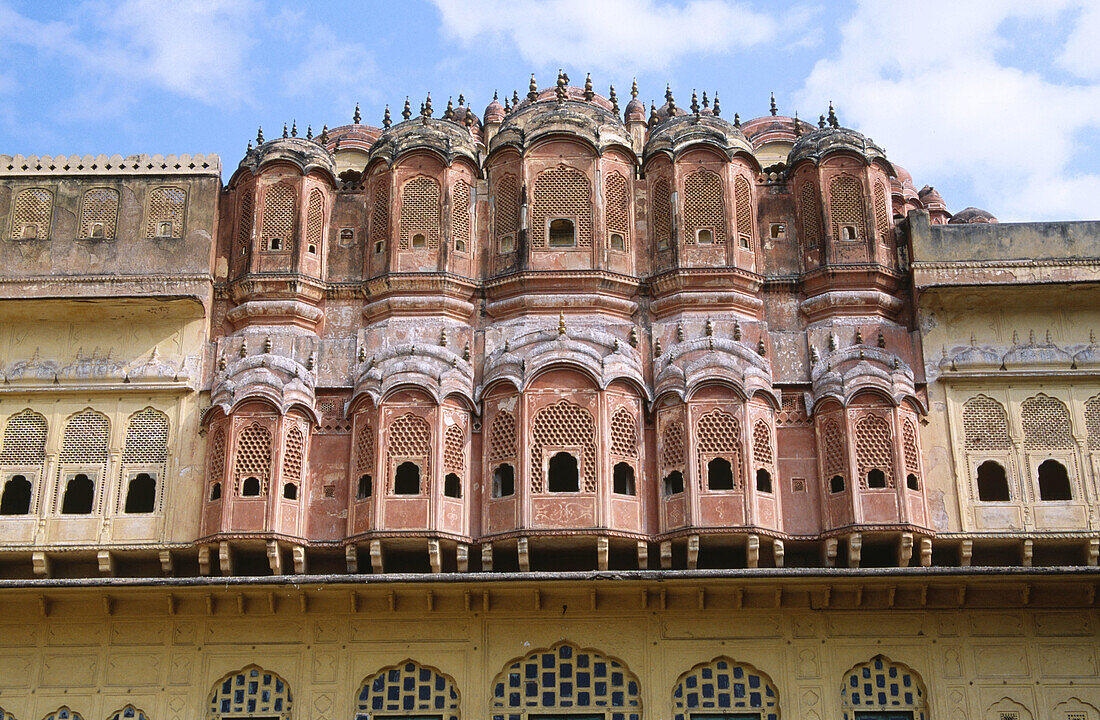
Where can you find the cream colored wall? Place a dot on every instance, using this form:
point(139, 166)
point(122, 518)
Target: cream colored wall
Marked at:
point(167, 664)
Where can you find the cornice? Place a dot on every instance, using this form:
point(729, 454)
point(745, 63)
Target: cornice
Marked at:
point(69, 165)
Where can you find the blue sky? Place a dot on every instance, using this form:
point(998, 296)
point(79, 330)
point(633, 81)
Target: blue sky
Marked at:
point(995, 103)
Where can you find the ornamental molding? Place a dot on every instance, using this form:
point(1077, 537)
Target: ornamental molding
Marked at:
point(35, 165)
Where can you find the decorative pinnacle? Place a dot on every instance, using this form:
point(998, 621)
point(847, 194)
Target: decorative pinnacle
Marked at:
point(515, 98)
point(466, 351)
point(668, 93)
point(833, 122)
point(469, 119)
point(614, 100)
point(656, 346)
point(356, 117)
point(680, 332)
point(708, 329)
point(294, 129)
point(561, 323)
point(588, 94)
point(267, 344)
point(652, 114)
point(428, 106)
point(260, 136)
point(821, 121)
point(859, 337)
point(694, 102)
point(285, 134)
point(560, 88)
point(533, 89)
point(244, 348)
point(717, 110)
point(737, 330)
point(882, 339)
point(324, 135)
point(761, 348)
point(772, 107)
point(407, 112)
point(462, 99)
point(797, 126)
point(507, 105)
point(706, 103)
point(634, 336)
point(443, 337)
point(634, 89)
point(309, 132)
point(736, 120)
point(386, 120)
point(449, 113)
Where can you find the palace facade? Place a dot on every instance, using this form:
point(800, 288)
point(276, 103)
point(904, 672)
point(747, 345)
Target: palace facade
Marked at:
point(558, 411)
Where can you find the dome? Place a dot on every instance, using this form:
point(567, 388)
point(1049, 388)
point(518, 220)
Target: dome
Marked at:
point(352, 137)
point(971, 215)
point(635, 110)
point(447, 138)
point(931, 198)
point(594, 120)
point(774, 128)
point(677, 134)
point(306, 154)
point(822, 142)
point(494, 111)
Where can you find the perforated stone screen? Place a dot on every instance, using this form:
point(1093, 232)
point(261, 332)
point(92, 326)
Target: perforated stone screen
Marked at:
point(315, 219)
point(244, 226)
point(98, 213)
point(420, 211)
point(909, 446)
point(1092, 421)
point(725, 687)
point(809, 214)
point(460, 215)
point(672, 446)
point(24, 439)
point(280, 218)
point(624, 434)
point(146, 438)
point(364, 450)
point(833, 443)
point(662, 212)
point(743, 204)
point(253, 456)
point(85, 438)
point(32, 207)
point(502, 436)
point(882, 215)
point(410, 437)
point(166, 205)
point(1046, 423)
point(792, 411)
point(718, 434)
point(561, 192)
point(409, 689)
point(253, 692)
point(564, 425)
point(881, 685)
point(506, 206)
point(380, 215)
point(454, 450)
point(846, 204)
point(985, 424)
point(217, 456)
point(762, 443)
point(617, 208)
point(704, 206)
point(874, 450)
point(293, 455)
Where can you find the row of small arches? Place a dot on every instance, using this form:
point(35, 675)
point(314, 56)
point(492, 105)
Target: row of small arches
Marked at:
point(78, 496)
point(32, 214)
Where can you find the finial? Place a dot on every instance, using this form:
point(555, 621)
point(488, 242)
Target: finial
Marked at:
point(386, 120)
point(449, 113)
point(462, 99)
point(668, 93)
point(244, 347)
point(249, 148)
point(717, 110)
point(285, 133)
point(737, 330)
point(614, 100)
point(708, 329)
point(797, 127)
point(533, 89)
point(882, 339)
point(561, 323)
point(428, 106)
point(832, 342)
point(973, 339)
point(356, 117)
point(309, 132)
point(634, 336)
point(1048, 336)
point(815, 356)
point(260, 136)
point(323, 137)
point(737, 120)
point(469, 119)
point(821, 121)
point(859, 337)
point(443, 337)
point(407, 112)
point(897, 363)
point(1031, 337)
point(652, 114)
point(559, 90)
point(221, 362)
point(362, 354)
point(761, 348)
point(294, 129)
point(657, 346)
point(1015, 338)
point(772, 107)
point(694, 102)
point(515, 97)
point(494, 94)
point(336, 147)
point(833, 122)
point(311, 361)
point(588, 94)
point(466, 351)
point(507, 105)
point(634, 89)
point(706, 103)
point(267, 344)
point(1092, 337)
point(680, 331)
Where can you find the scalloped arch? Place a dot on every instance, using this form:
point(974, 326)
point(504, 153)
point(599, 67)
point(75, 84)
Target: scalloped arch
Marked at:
point(250, 690)
point(725, 685)
point(882, 684)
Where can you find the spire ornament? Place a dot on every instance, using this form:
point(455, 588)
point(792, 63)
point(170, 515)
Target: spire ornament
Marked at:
point(652, 114)
point(772, 108)
point(694, 103)
point(323, 137)
point(449, 113)
point(260, 136)
point(634, 89)
point(309, 132)
point(561, 323)
point(833, 122)
point(533, 89)
point(737, 120)
point(717, 110)
point(515, 97)
point(821, 121)
point(559, 89)
point(797, 126)
point(588, 93)
point(614, 100)
point(706, 102)
point(386, 121)
point(407, 112)
point(294, 129)
point(356, 117)
point(428, 106)
point(285, 133)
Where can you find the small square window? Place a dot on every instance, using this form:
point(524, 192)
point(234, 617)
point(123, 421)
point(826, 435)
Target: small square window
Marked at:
point(164, 229)
point(460, 245)
point(347, 235)
point(562, 233)
point(704, 236)
point(275, 244)
point(311, 249)
point(848, 232)
point(29, 231)
point(746, 242)
point(798, 485)
point(379, 246)
point(419, 241)
point(96, 230)
point(778, 231)
point(662, 243)
point(507, 244)
point(617, 241)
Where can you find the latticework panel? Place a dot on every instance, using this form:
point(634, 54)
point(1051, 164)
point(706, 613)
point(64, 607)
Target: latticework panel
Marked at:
point(253, 692)
point(293, 455)
point(562, 192)
point(85, 438)
point(725, 687)
point(662, 213)
point(166, 205)
point(24, 439)
point(1092, 421)
point(64, 713)
point(672, 446)
point(460, 215)
point(704, 206)
point(832, 442)
point(909, 447)
point(409, 689)
point(624, 434)
point(364, 450)
point(280, 218)
point(809, 215)
point(253, 456)
point(217, 456)
point(792, 411)
point(564, 425)
point(846, 204)
point(762, 443)
point(410, 437)
point(454, 450)
point(985, 424)
point(420, 211)
point(568, 677)
point(882, 215)
point(873, 449)
point(617, 208)
point(98, 213)
point(245, 222)
point(718, 434)
point(128, 713)
point(502, 436)
point(742, 198)
point(881, 685)
point(315, 218)
point(506, 206)
point(380, 214)
point(146, 438)
point(33, 208)
point(1046, 423)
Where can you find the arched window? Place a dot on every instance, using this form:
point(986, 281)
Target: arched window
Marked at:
point(315, 221)
point(836, 484)
point(24, 439)
point(454, 453)
point(164, 213)
point(846, 207)
point(874, 451)
point(290, 491)
point(420, 213)
point(624, 434)
point(809, 215)
point(128, 713)
point(98, 214)
point(719, 474)
point(617, 210)
point(245, 221)
point(216, 469)
point(912, 482)
point(1054, 481)
point(250, 487)
point(85, 439)
point(31, 215)
point(835, 459)
point(364, 452)
point(364, 488)
point(562, 473)
point(280, 218)
point(79, 495)
point(216, 491)
point(406, 479)
point(561, 215)
point(565, 679)
point(564, 424)
point(719, 434)
point(64, 713)
point(876, 478)
point(380, 215)
point(763, 481)
point(460, 215)
point(253, 459)
point(1046, 423)
point(141, 495)
point(252, 692)
point(704, 207)
point(673, 484)
point(407, 689)
point(882, 686)
point(293, 457)
point(452, 486)
point(16, 498)
point(882, 218)
point(562, 233)
point(992, 482)
point(504, 481)
point(623, 479)
point(725, 688)
point(506, 210)
point(743, 206)
point(985, 424)
point(662, 214)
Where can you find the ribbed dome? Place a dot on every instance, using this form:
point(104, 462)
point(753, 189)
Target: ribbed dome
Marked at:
point(773, 128)
point(593, 120)
point(972, 215)
point(494, 111)
point(307, 155)
point(678, 133)
point(820, 143)
point(448, 138)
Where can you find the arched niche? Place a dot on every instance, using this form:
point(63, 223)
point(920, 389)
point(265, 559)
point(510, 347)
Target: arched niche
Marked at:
point(250, 692)
point(882, 685)
point(407, 688)
point(724, 686)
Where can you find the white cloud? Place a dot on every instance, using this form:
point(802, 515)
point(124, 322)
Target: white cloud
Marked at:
point(608, 34)
point(343, 72)
point(934, 89)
